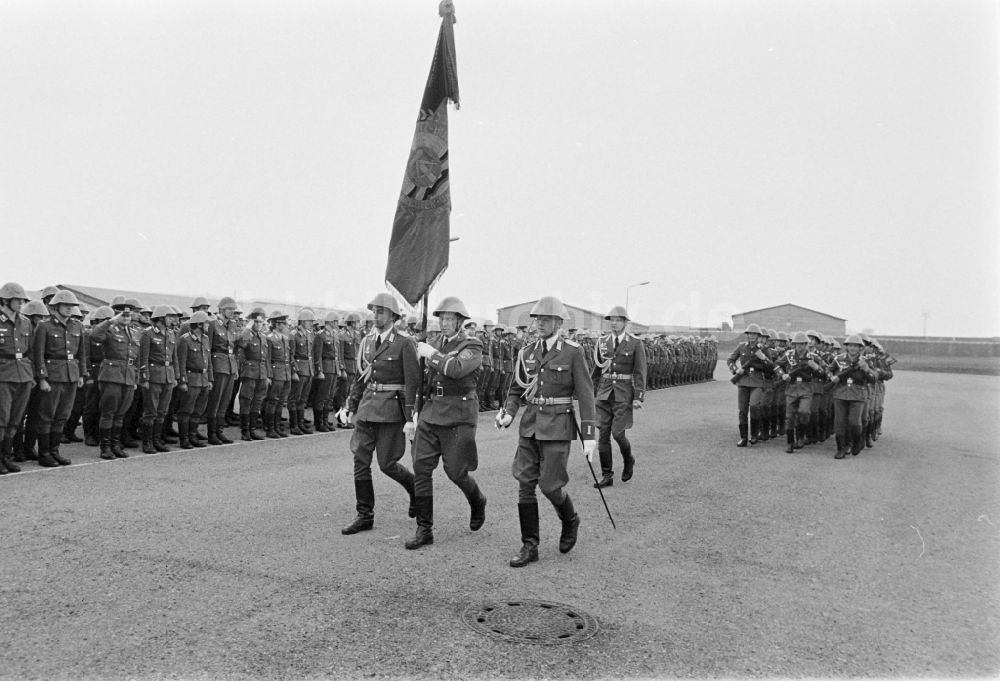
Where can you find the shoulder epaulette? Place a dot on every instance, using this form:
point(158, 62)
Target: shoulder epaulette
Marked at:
point(571, 343)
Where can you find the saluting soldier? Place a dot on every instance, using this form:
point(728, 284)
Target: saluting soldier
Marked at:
point(621, 359)
point(118, 376)
point(301, 343)
point(255, 373)
point(748, 363)
point(157, 376)
point(195, 375)
point(446, 428)
point(549, 374)
point(60, 362)
point(329, 368)
point(381, 404)
point(282, 373)
point(17, 374)
point(222, 333)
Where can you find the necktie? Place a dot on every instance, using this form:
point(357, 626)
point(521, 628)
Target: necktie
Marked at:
point(378, 342)
point(616, 343)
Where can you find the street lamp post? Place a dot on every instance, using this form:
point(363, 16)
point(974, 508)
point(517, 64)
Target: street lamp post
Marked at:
point(627, 288)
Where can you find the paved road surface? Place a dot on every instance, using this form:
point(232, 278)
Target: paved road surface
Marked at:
point(228, 563)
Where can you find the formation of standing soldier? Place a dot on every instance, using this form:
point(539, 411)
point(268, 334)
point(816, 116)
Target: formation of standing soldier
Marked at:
point(806, 392)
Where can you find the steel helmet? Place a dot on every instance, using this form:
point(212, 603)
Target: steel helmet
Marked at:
point(387, 301)
point(836, 344)
point(64, 298)
point(227, 303)
point(102, 313)
point(853, 339)
point(864, 338)
point(617, 311)
point(133, 303)
point(368, 316)
point(35, 307)
point(753, 328)
point(452, 304)
point(177, 310)
point(771, 333)
point(258, 312)
point(277, 314)
point(800, 337)
point(161, 311)
point(117, 303)
point(332, 316)
point(488, 324)
point(200, 301)
point(49, 291)
point(306, 315)
point(468, 323)
point(352, 317)
point(11, 290)
point(782, 336)
point(549, 306)
point(813, 334)
point(199, 317)
point(878, 346)
point(765, 333)
point(75, 311)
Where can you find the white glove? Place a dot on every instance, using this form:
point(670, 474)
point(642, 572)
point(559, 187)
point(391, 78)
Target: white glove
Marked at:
point(589, 447)
point(425, 350)
point(503, 419)
point(409, 428)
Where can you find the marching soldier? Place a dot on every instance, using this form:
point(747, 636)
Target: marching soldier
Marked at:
point(282, 373)
point(117, 376)
point(157, 376)
point(301, 342)
point(850, 373)
point(747, 364)
point(60, 359)
point(621, 358)
point(381, 404)
point(446, 427)
point(255, 373)
point(329, 368)
point(549, 374)
point(222, 333)
point(195, 374)
point(17, 374)
point(799, 367)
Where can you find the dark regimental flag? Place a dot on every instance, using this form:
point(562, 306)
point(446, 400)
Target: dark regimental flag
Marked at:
point(418, 249)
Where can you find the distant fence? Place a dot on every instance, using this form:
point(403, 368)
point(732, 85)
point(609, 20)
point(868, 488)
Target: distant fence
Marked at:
point(941, 347)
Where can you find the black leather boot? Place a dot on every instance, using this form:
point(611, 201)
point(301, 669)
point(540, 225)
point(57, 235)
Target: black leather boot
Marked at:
point(628, 468)
point(841, 448)
point(157, 435)
point(477, 506)
point(182, 433)
point(321, 425)
point(764, 425)
point(303, 426)
point(245, 428)
point(754, 427)
point(213, 432)
point(255, 433)
point(271, 425)
point(105, 443)
point(743, 436)
point(293, 422)
point(147, 438)
point(570, 525)
point(7, 456)
point(790, 438)
point(364, 492)
point(44, 458)
point(425, 523)
point(527, 514)
point(116, 443)
point(220, 427)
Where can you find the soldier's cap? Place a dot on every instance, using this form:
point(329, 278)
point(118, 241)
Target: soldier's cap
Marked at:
point(133, 303)
point(161, 311)
point(200, 301)
point(258, 312)
point(199, 317)
point(101, 313)
point(277, 315)
point(49, 291)
point(226, 303)
point(118, 303)
point(64, 298)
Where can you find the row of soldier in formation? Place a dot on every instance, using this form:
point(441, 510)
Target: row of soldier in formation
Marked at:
point(807, 386)
point(670, 360)
point(135, 370)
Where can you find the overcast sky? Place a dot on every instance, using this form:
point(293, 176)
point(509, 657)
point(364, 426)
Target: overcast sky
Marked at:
point(736, 154)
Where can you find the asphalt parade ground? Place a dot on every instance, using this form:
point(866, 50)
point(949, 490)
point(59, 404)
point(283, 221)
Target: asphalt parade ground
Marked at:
point(228, 562)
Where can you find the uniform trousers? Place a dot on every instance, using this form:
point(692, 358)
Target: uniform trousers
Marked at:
point(193, 402)
point(116, 398)
point(323, 397)
point(847, 420)
point(798, 405)
point(277, 397)
point(55, 406)
point(455, 446)
point(252, 394)
point(92, 402)
point(299, 393)
point(542, 464)
point(613, 418)
point(220, 396)
point(13, 402)
point(748, 401)
point(387, 442)
point(156, 402)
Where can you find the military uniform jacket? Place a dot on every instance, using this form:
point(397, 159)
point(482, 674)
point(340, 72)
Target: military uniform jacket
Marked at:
point(222, 337)
point(301, 342)
point(801, 375)
point(561, 374)
point(753, 366)
point(452, 374)
point(279, 353)
point(60, 352)
point(626, 375)
point(16, 346)
point(120, 345)
point(487, 343)
point(853, 379)
point(393, 364)
point(194, 360)
point(95, 353)
point(158, 356)
point(326, 353)
point(253, 355)
point(349, 350)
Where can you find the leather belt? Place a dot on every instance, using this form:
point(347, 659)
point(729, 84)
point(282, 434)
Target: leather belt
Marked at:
point(221, 352)
point(550, 400)
point(16, 355)
point(620, 377)
point(386, 387)
point(445, 391)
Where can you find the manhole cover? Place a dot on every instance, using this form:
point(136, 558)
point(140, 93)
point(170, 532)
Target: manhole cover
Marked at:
point(529, 621)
